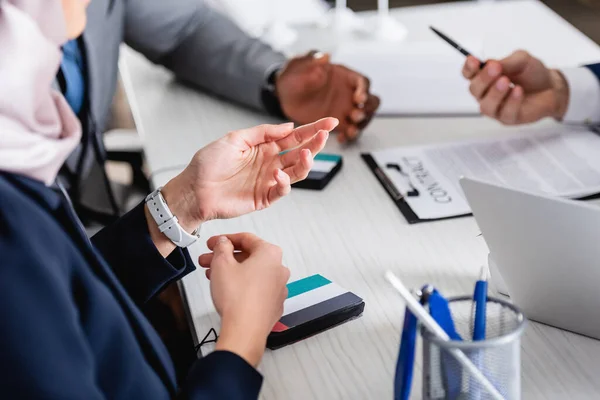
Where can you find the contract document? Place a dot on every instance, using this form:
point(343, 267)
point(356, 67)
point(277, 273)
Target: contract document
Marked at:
point(423, 181)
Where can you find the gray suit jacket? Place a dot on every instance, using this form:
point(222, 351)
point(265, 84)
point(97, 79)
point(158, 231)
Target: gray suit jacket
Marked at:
point(200, 45)
point(197, 43)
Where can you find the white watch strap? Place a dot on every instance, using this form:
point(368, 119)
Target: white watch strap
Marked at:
point(167, 222)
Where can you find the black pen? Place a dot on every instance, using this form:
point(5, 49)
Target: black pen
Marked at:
point(452, 43)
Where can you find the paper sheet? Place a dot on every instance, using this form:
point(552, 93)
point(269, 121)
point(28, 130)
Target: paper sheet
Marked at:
point(413, 78)
point(562, 164)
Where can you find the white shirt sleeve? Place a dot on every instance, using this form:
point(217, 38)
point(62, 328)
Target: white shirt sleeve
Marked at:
point(584, 96)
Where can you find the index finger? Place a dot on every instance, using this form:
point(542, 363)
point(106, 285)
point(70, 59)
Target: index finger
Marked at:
point(303, 134)
point(249, 137)
point(471, 68)
point(247, 242)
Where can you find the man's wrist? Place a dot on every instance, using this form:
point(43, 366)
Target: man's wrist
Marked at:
point(270, 96)
point(561, 94)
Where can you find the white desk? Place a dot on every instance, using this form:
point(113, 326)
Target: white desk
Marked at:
point(351, 233)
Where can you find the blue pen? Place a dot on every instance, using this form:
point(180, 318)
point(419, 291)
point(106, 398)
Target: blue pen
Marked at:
point(439, 308)
point(480, 300)
point(406, 358)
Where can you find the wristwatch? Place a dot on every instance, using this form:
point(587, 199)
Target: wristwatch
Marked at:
point(167, 222)
point(268, 96)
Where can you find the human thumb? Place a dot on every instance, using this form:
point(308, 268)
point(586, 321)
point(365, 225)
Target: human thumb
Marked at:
point(516, 63)
point(223, 252)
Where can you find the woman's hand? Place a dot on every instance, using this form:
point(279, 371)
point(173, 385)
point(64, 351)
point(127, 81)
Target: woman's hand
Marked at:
point(248, 287)
point(245, 171)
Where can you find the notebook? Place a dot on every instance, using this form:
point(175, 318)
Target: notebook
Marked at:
point(413, 78)
point(314, 304)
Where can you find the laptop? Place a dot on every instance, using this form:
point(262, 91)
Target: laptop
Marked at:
point(547, 251)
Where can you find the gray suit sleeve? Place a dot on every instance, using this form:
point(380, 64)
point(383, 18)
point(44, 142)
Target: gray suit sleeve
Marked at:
point(201, 46)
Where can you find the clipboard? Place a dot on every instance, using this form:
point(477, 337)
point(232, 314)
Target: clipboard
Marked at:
point(397, 197)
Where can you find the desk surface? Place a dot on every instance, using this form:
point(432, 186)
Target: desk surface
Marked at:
point(351, 233)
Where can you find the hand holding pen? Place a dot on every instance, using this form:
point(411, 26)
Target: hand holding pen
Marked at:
point(515, 90)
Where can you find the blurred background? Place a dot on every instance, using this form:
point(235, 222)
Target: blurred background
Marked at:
point(583, 14)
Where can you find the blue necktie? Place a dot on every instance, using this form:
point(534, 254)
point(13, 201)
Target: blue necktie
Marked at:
point(72, 69)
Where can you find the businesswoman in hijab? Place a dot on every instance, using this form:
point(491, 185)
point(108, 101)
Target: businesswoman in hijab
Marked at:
point(70, 319)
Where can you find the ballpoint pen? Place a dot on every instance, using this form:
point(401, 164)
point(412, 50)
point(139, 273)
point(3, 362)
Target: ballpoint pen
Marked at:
point(432, 326)
point(406, 358)
point(480, 301)
point(452, 43)
point(461, 49)
point(439, 308)
point(479, 325)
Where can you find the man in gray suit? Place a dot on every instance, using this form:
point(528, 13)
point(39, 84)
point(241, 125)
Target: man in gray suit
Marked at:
point(207, 50)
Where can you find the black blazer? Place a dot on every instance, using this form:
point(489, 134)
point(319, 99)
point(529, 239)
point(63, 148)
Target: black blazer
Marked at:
point(70, 319)
point(595, 68)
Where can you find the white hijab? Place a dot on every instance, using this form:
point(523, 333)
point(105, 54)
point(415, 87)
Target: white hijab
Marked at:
point(38, 130)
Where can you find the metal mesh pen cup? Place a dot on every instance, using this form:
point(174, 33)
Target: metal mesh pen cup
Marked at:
point(498, 356)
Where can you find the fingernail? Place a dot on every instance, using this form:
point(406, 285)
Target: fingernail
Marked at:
point(494, 70)
point(280, 174)
point(223, 239)
point(318, 54)
point(360, 116)
point(517, 93)
point(502, 84)
point(289, 125)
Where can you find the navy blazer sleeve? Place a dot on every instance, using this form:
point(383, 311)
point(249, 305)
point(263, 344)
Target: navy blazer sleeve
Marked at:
point(44, 350)
point(127, 247)
point(595, 68)
point(216, 373)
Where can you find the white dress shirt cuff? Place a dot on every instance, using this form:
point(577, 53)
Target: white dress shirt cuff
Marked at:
point(584, 96)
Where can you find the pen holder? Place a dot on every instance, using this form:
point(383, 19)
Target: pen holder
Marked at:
point(498, 356)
